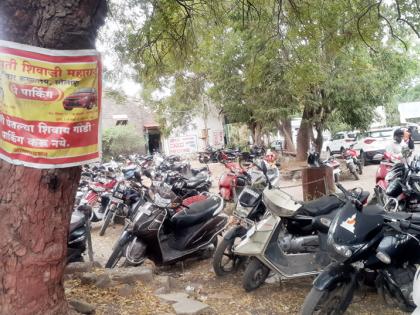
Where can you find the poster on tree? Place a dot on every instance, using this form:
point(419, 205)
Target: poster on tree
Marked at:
point(50, 106)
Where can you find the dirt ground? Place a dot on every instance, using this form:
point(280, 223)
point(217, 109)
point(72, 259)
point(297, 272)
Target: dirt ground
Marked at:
point(226, 296)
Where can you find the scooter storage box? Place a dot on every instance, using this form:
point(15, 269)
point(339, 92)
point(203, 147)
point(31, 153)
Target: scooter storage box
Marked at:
point(279, 203)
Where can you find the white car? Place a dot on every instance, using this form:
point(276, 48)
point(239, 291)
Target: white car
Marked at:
point(373, 143)
point(340, 142)
point(277, 145)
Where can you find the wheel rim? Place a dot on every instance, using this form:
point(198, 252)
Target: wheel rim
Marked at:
point(259, 276)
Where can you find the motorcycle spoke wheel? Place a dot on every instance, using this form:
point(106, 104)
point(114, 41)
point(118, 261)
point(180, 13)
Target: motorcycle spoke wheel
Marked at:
point(333, 302)
point(224, 260)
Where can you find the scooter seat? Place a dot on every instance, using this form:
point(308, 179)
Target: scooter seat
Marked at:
point(321, 206)
point(195, 181)
point(77, 220)
point(196, 213)
point(195, 171)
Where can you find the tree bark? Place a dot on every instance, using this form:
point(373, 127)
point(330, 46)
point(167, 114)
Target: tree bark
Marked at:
point(35, 205)
point(304, 136)
point(285, 128)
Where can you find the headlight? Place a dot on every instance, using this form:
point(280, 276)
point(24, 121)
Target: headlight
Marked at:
point(161, 202)
point(341, 252)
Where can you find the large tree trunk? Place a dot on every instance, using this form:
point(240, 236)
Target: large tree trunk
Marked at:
point(304, 136)
point(35, 205)
point(285, 128)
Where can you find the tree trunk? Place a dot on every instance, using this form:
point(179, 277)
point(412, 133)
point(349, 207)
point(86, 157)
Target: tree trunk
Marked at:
point(318, 140)
point(304, 136)
point(35, 205)
point(285, 128)
point(257, 137)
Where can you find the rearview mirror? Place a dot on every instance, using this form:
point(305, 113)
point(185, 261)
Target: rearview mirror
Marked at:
point(137, 176)
point(147, 173)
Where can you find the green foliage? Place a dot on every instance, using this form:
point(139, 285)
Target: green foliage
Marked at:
point(263, 60)
point(121, 140)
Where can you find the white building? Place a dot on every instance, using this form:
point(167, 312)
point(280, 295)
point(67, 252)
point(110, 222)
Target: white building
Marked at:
point(410, 111)
point(192, 138)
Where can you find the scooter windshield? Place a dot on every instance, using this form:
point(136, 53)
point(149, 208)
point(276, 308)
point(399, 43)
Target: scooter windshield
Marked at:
point(164, 197)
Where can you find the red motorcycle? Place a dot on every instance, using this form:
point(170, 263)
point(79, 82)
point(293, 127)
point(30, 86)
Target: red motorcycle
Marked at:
point(381, 184)
point(230, 181)
point(353, 163)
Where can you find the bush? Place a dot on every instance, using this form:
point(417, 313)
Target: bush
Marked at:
point(121, 140)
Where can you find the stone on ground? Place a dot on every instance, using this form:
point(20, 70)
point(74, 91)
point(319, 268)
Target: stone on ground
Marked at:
point(82, 306)
point(189, 307)
point(131, 275)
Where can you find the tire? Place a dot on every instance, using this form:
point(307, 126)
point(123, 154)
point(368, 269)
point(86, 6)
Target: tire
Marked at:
point(356, 176)
point(360, 168)
point(336, 178)
point(363, 161)
point(225, 250)
point(255, 274)
point(106, 222)
point(317, 299)
point(115, 257)
point(342, 150)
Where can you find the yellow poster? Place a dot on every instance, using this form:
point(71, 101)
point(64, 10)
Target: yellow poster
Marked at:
point(50, 106)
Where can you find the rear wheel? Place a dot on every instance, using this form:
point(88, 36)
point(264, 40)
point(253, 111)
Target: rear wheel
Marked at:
point(255, 274)
point(224, 260)
point(107, 220)
point(333, 302)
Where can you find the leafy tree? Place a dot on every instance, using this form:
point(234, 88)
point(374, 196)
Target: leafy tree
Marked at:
point(264, 61)
point(121, 140)
point(35, 205)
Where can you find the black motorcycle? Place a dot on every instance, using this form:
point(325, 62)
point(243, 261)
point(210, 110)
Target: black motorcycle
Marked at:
point(165, 236)
point(369, 246)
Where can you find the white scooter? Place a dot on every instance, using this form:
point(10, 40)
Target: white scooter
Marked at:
point(290, 239)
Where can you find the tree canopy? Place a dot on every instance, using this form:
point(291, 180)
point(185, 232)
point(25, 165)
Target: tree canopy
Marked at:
point(264, 61)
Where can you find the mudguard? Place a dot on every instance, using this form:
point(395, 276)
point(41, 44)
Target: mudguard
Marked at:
point(236, 231)
point(332, 275)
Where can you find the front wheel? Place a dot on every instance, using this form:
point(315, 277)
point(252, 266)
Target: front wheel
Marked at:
point(225, 262)
point(107, 220)
point(255, 274)
point(115, 257)
point(333, 302)
point(356, 176)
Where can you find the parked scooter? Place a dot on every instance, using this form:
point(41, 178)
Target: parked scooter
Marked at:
point(353, 163)
point(165, 236)
point(289, 241)
point(249, 209)
point(232, 181)
point(79, 235)
point(369, 246)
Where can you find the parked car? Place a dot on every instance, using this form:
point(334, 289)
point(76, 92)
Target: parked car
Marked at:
point(372, 144)
point(341, 141)
point(277, 145)
point(82, 98)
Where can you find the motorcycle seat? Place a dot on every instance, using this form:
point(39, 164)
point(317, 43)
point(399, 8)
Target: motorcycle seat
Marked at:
point(195, 171)
point(195, 181)
point(196, 213)
point(321, 206)
point(77, 220)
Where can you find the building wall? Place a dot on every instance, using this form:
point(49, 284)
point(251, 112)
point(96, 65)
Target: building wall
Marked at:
point(190, 139)
point(138, 115)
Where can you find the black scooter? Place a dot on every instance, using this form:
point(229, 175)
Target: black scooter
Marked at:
point(165, 236)
point(370, 246)
point(79, 235)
